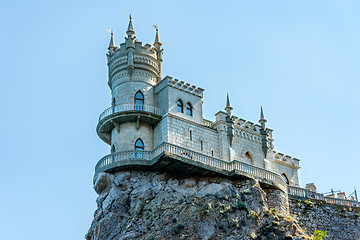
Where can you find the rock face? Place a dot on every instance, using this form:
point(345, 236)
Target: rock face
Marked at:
point(150, 205)
point(340, 222)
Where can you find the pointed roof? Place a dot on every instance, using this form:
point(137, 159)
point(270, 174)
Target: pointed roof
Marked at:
point(130, 30)
point(262, 120)
point(157, 42)
point(228, 101)
point(262, 117)
point(112, 42)
point(228, 107)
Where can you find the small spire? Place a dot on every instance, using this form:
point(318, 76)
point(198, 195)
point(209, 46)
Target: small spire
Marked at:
point(130, 31)
point(112, 42)
point(228, 107)
point(262, 117)
point(157, 42)
point(262, 120)
point(228, 101)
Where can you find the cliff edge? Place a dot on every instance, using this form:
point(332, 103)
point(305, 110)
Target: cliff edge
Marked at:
point(152, 205)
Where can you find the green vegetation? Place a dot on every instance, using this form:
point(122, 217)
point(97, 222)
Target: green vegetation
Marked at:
point(309, 203)
point(319, 235)
point(273, 210)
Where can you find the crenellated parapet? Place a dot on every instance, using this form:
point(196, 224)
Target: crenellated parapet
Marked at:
point(183, 86)
point(241, 124)
point(284, 159)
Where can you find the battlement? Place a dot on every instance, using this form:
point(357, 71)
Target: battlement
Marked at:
point(283, 158)
point(146, 49)
point(183, 86)
point(242, 124)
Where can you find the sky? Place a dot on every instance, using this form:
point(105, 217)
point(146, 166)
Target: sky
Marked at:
point(298, 59)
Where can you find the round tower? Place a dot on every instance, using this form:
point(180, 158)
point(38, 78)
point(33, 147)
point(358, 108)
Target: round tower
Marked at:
point(133, 72)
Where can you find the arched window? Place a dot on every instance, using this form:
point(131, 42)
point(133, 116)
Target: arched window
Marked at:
point(248, 157)
point(189, 110)
point(285, 178)
point(180, 106)
point(139, 100)
point(139, 144)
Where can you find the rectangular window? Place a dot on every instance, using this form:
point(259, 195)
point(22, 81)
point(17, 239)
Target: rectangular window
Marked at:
point(190, 135)
point(201, 145)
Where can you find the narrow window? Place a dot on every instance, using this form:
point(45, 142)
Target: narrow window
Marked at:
point(180, 106)
point(139, 101)
point(112, 148)
point(190, 135)
point(189, 110)
point(113, 102)
point(139, 144)
point(248, 158)
point(285, 178)
point(212, 153)
point(201, 145)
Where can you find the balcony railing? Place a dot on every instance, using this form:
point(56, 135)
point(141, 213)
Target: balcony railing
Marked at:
point(307, 194)
point(131, 107)
point(116, 159)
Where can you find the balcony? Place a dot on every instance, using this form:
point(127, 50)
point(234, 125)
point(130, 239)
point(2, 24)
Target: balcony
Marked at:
point(169, 157)
point(126, 113)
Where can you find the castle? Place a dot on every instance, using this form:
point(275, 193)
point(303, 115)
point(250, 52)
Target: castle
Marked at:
point(157, 123)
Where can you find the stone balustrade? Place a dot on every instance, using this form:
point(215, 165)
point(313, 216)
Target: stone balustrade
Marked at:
point(307, 194)
point(131, 107)
point(150, 157)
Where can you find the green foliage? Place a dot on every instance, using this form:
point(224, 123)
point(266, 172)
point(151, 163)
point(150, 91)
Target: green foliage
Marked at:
point(357, 215)
point(319, 235)
point(309, 203)
point(253, 235)
point(273, 210)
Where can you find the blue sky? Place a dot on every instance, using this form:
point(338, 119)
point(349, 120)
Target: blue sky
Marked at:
point(298, 59)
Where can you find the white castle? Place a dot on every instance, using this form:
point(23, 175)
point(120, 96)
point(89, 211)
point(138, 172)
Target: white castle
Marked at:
point(157, 124)
point(154, 119)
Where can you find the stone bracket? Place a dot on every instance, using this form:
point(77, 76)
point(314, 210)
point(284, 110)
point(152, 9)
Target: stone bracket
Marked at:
point(117, 125)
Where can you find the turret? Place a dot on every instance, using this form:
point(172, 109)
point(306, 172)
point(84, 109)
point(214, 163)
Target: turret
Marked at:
point(133, 74)
point(130, 47)
point(264, 133)
point(229, 121)
point(157, 44)
point(112, 43)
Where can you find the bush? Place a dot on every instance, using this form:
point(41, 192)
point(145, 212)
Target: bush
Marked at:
point(319, 235)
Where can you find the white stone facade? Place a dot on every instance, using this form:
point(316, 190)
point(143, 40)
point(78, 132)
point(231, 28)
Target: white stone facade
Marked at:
point(134, 67)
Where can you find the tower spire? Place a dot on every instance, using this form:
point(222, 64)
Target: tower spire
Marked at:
point(130, 31)
point(228, 107)
point(157, 42)
point(112, 43)
point(262, 120)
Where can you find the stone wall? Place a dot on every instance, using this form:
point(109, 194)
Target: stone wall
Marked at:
point(340, 222)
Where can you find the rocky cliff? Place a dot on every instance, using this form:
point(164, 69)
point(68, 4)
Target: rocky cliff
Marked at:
point(150, 205)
